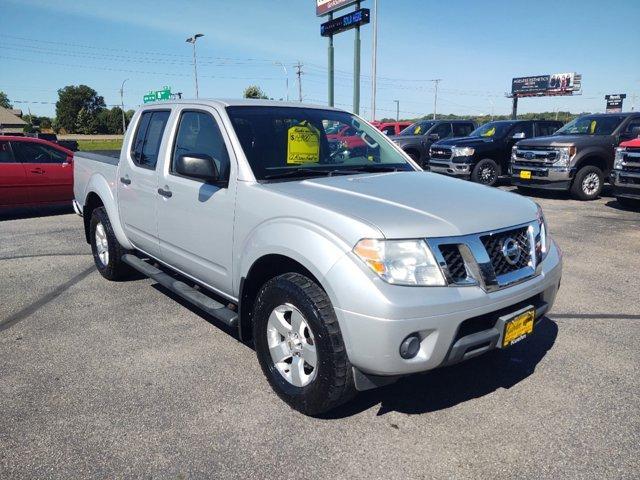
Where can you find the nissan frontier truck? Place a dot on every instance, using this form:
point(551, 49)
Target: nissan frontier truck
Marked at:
point(346, 269)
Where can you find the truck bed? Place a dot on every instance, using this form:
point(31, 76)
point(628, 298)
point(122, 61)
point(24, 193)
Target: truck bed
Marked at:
point(88, 165)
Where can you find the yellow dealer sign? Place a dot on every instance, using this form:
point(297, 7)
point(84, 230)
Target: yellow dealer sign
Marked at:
point(303, 145)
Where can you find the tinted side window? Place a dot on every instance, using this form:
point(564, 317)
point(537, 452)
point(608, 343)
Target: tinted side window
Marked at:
point(635, 123)
point(5, 153)
point(544, 129)
point(462, 129)
point(443, 130)
point(389, 130)
point(526, 128)
point(146, 144)
point(199, 133)
point(27, 152)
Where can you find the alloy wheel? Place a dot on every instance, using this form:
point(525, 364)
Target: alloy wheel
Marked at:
point(102, 244)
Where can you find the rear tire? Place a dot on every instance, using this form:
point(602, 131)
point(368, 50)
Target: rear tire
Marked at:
point(299, 345)
point(587, 183)
point(107, 252)
point(486, 172)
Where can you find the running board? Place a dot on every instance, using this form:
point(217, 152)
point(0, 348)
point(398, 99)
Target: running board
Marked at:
point(190, 294)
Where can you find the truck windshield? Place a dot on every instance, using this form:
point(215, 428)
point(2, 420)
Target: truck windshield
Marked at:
point(592, 125)
point(290, 142)
point(492, 129)
point(418, 128)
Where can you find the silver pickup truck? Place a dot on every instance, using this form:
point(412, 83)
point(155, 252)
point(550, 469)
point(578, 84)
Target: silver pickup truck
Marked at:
point(343, 263)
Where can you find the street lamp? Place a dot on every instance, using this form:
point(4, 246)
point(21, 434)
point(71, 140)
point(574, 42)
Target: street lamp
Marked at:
point(397, 110)
point(286, 76)
point(192, 40)
point(124, 126)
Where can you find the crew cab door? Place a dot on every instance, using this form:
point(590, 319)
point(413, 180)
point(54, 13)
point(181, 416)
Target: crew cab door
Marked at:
point(138, 181)
point(195, 217)
point(13, 179)
point(48, 170)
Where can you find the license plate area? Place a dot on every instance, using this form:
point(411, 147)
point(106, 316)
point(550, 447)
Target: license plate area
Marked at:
point(517, 326)
point(525, 174)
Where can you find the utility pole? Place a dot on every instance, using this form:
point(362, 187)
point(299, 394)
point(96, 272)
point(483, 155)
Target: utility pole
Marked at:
point(192, 40)
point(286, 77)
point(435, 97)
point(331, 69)
point(492, 106)
point(299, 73)
point(397, 110)
point(356, 68)
point(633, 102)
point(374, 60)
point(124, 126)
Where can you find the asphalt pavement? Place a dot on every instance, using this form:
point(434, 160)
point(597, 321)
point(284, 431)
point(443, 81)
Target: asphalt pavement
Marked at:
point(119, 380)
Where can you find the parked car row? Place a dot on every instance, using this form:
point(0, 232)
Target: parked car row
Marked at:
point(534, 154)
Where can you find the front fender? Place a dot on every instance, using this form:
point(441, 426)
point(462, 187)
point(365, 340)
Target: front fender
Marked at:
point(314, 247)
point(100, 186)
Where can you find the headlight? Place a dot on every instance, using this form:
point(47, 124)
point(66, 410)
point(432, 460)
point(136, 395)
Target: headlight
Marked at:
point(617, 164)
point(462, 151)
point(401, 262)
point(565, 156)
point(542, 242)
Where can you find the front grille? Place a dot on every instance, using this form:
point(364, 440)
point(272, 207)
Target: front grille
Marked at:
point(630, 168)
point(541, 154)
point(442, 153)
point(494, 243)
point(455, 262)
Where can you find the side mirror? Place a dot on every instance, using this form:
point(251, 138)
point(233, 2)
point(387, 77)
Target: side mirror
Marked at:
point(197, 165)
point(519, 136)
point(434, 137)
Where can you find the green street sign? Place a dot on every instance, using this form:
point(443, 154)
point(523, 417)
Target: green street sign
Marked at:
point(154, 96)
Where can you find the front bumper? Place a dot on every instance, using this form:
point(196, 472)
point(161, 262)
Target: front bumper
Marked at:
point(548, 177)
point(626, 184)
point(448, 167)
point(376, 317)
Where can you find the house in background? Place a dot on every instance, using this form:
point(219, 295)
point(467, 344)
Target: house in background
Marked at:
point(10, 123)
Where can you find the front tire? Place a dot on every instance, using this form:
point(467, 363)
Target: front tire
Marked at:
point(299, 345)
point(107, 252)
point(486, 172)
point(587, 183)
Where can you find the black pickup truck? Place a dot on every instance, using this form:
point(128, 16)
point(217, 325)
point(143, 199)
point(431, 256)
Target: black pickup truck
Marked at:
point(578, 157)
point(52, 137)
point(416, 139)
point(484, 155)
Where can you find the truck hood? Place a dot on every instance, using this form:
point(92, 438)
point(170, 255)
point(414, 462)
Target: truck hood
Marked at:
point(464, 142)
point(407, 138)
point(413, 204)
point(564, 140)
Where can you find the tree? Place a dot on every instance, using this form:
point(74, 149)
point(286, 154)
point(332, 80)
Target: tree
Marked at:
point(72, 99)
point(86, 122)
point(254, 91)
point(109, 121)
point(4, 100)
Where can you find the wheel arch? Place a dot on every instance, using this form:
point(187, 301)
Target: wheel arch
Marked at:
point(593, 159)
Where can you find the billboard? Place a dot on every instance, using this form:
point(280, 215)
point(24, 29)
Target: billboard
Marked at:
point(553, 84)
point(323, 7)
point(614, 102)
point(345, 22)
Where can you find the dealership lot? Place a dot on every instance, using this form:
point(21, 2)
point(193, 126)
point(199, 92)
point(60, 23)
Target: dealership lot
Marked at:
point(102, 379)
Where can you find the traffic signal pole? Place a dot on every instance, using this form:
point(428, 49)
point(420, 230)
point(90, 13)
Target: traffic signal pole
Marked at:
point(331, 68)
point(356, 69)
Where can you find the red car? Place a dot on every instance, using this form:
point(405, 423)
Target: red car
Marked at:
point(34, 172)
point(349, 136)
point(391, 128)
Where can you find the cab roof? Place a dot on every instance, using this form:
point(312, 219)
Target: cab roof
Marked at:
point(243, 102)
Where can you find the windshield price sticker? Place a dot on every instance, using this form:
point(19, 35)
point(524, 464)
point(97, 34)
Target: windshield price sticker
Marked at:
point(303, 145)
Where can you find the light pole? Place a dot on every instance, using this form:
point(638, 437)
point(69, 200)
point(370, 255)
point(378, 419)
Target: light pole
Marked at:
point(192, 40)
point(124, 126)
point(374, 60)
point(397, 110)
point(286, 76)
point(435, 97)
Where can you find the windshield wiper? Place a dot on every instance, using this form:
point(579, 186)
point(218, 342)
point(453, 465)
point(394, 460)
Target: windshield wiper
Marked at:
point(307, 172)
point(375, 168)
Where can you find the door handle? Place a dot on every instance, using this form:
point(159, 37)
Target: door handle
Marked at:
point(38, 171)
point(125, 180)
point(165, 193)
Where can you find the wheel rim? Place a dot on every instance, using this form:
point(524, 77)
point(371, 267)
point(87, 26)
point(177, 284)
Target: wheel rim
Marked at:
point(292, 345)
point(102, 244)
point(591, 183)
point(487, 174)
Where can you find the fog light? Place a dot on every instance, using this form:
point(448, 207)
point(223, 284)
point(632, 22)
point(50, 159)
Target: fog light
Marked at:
point(410, 346)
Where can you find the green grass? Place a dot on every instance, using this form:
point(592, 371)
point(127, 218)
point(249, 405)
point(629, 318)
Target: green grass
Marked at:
point(89, 145)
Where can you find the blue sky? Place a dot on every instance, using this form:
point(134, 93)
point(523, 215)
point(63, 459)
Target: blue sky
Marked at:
point(475, 47)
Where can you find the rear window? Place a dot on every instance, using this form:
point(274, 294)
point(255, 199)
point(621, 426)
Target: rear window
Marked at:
point(146, 144)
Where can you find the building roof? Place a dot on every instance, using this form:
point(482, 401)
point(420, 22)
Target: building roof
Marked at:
point(8, 119)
